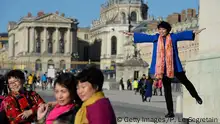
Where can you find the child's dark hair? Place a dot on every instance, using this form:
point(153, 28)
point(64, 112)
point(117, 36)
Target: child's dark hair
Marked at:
point(92, 75)
point(165, 25)
point(69, 81)
point(18, 74)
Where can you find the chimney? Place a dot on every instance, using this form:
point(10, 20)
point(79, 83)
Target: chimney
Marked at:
point(29, 14)
point(57, 12)
point(168, 18)
point(41, 13)
point(183, 16)
point(189, 13)
point(194, 13)
point(174, 18)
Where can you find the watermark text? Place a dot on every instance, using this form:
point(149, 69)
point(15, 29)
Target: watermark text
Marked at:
point(165, 120)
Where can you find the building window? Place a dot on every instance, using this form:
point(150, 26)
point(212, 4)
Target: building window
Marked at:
point(38, 65)
point(86, 36)
point(62, 64)
point(50, 43)
point(50, 64)
point(136, 74)
point(123, 18)
point(133, 16)
point(62, 43)
point(114, 45)
point(50, 47)
point(38, 45)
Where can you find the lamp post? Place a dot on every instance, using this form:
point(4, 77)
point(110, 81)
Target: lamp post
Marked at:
point(74, 56)
point(129, 17)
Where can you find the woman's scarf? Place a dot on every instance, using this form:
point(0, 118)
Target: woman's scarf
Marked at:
point(164, 54)
point(81, 114)
point(57, 111)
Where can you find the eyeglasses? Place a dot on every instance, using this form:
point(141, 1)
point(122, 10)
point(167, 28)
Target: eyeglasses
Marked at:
point(13, 82)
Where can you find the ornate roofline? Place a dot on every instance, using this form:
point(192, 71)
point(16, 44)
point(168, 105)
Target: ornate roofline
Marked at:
point(36, 20)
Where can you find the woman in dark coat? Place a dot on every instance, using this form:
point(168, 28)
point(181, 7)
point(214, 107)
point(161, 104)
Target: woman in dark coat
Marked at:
point(148, 93)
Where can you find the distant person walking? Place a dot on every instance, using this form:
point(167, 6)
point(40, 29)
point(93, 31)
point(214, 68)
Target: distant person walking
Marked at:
point(122, 84)
point(141, 82)
point(44, 82)
point(160, 85)
point(30, 82)
point(135, 85)
point(148, 92)
point(155, 85)
point(129, 84)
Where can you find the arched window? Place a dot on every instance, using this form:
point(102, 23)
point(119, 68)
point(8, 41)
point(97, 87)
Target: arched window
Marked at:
point(133, 16)
point(62, 64)
point(50, 47)
point(50, 63)
point(38, 65)
point(113, 45)
point(123, 16)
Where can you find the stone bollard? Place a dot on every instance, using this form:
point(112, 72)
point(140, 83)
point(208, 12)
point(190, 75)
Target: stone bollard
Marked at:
point(179, 104)
point(120, 88)
point(106, 85)
point(109, 76)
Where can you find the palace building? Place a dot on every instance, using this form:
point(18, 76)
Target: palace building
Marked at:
point(48, 39)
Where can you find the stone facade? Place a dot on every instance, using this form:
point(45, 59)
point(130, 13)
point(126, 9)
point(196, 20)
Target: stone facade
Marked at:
point(203, 70)
point(48, 39)
point(109, 27)
point(113, 20)
point(4, 57)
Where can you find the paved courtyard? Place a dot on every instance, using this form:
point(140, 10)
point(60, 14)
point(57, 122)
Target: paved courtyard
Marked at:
point(127, 105)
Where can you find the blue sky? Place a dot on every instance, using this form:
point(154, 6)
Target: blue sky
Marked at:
point(84, 10)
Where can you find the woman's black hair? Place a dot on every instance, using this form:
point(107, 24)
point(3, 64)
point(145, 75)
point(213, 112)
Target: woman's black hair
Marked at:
point(92, 75)
point(69, 81)
point(18, 74)
point(165, 25)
